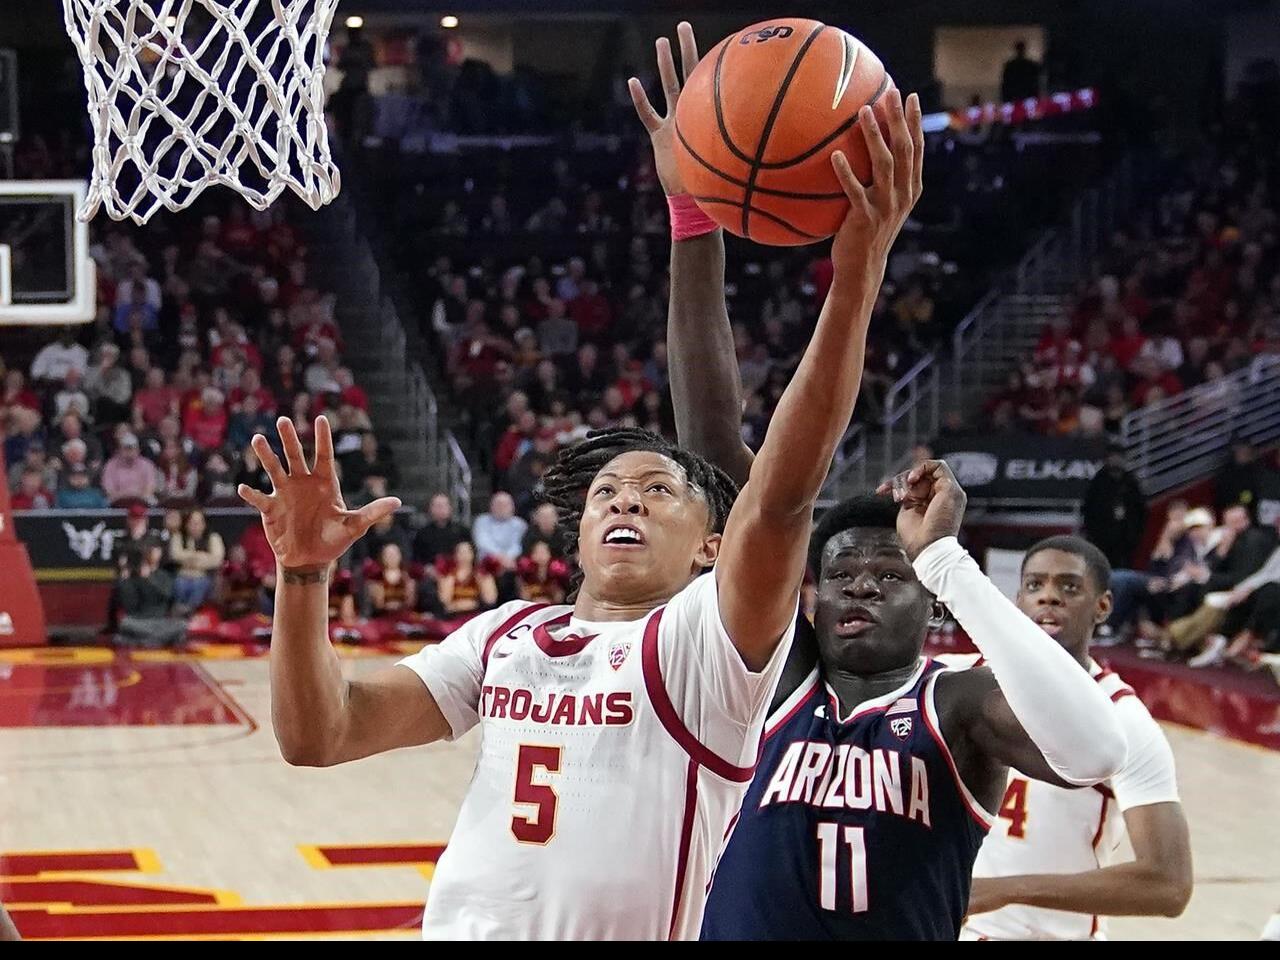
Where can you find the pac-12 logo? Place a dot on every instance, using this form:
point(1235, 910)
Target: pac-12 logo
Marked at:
point(901, 727)
point(618, 653)
point(765, 33)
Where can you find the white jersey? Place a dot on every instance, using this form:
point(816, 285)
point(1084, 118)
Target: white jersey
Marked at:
point(1047, 829)
point(614, 760)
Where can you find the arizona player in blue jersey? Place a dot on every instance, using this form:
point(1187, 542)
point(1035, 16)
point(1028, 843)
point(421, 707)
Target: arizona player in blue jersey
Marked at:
point(872, 788)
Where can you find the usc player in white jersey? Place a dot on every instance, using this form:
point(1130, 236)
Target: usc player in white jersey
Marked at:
point(1049, 868)
point(620, 733)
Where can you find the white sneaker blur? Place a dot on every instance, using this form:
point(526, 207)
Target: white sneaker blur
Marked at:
point(1211, 655)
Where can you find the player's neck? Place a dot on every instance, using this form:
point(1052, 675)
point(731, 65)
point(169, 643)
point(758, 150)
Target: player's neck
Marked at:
point(603, 610)
point(1080, 653)
point(854, 688)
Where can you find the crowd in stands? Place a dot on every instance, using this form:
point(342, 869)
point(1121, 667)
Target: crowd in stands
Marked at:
point(1188, 293)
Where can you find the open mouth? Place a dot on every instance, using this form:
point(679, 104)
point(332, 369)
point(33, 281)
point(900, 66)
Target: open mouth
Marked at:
point(1049, 623)
point(623, 535)
point(855, 623)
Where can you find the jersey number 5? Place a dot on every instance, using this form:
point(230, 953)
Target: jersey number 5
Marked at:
point(539, 798)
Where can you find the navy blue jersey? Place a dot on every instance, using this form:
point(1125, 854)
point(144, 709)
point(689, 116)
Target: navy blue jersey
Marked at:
point(854, 828)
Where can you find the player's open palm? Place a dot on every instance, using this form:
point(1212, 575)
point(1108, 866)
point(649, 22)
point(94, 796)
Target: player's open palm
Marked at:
point(662, 129)
point(306, 521)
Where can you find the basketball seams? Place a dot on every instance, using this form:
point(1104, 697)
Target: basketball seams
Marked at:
point(826, 141)
point(760, 212)
point(770, 120)
point(715, 99)
point(737, 182)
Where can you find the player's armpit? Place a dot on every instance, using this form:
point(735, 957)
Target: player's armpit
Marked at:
point(970, 705)
point(387, 710)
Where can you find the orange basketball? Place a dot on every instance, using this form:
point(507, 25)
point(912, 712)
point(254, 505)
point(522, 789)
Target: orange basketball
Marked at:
point(759, 118)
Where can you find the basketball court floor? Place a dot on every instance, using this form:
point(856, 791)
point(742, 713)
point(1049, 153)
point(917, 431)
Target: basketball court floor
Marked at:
point(143, 796)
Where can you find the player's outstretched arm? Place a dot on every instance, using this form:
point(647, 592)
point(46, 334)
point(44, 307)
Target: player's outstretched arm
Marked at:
point(1035, 709)
point(706, 389)
point(1156, 883)
point(762, 557)
point(320, 718)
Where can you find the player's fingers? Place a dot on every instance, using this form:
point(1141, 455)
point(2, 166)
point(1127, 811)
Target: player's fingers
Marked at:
point(644, 109)
point(371, 513)
point(853, 189)
point(688, 48)
point(270, 462)
point(915, 122)
point(900, 145)
point(667, 71)
point(254, 498)
point(324, 445)
point(293, 454)
point(881, 156)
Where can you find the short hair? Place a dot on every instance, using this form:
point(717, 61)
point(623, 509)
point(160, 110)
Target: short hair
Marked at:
point(566, 481)
point(1095, 560)
point(863, 511)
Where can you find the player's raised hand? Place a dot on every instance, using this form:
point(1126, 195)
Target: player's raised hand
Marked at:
point(307, 523)
point(932, 504)
point(878, 210)
point(662, 127)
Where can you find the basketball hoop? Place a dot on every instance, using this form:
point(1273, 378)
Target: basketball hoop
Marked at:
point(184, 94)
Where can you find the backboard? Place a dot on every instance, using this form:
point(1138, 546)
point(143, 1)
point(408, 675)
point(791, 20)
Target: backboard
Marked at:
point(46, 273)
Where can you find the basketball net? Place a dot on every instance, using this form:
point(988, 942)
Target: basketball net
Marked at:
point(184, 94)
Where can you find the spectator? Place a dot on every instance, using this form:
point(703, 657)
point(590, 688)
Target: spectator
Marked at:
point(249, 384)
point(17, 393)
point(79, 492)
point(135, 313)
point(1020, 77)
point(1247, 481)
point(130, 476)
point(179, 480)
point(146, 594)
point(251, 473)
point(557, 333)
point(72, 397)
point(498, 533)
point(33, 458)
point(137, 279)
point(1114, 510)
point(217, 487)
point(387, 530)
point(32, 493)
point(540, 577)
point(247, 421)
point(466, 589)
point(350, 393)
point(239, 586)
point(205, 421)
point(322, 374)
point(370, 460)
point(388, 587)
point(54, 360)
point(157, 399)
point(198, 553)
point(440, 534)
point(543, 527)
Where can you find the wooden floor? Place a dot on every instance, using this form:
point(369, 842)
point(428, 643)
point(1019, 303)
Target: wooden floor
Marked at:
point(148, 799)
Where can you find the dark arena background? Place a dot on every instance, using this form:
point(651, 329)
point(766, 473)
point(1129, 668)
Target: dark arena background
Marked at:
point(1081, 316)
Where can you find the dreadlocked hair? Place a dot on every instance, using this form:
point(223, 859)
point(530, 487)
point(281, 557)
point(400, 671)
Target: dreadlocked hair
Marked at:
point(566, 481)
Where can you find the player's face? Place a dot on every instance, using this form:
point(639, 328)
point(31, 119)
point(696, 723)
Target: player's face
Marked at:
point(645, 530)
point(872, 612)
point(1058, 593)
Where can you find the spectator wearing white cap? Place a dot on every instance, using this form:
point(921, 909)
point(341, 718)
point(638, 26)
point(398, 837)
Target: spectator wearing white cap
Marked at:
point(128, 476)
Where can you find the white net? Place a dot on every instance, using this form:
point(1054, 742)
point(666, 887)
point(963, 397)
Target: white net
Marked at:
point(184, 94)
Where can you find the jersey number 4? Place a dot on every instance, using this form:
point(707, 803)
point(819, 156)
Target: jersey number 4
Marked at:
point(1014, 807)
point(539, 799)
point(829, 856)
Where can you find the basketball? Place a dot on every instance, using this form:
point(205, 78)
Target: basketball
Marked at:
point(759, 118)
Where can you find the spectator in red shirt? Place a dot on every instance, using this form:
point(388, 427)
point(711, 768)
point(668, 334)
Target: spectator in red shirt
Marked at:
point(157, 399)
point(351, 393)
point(591, 311)
point(1129, 343)
point(514, 441)
point(17, 393)
point(1057, 346)
point(251, 383)
point(632, 384)
point(1150, 377)
point(32, 493)
point(238, 237)
point(479, 352)
point(206, 420)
